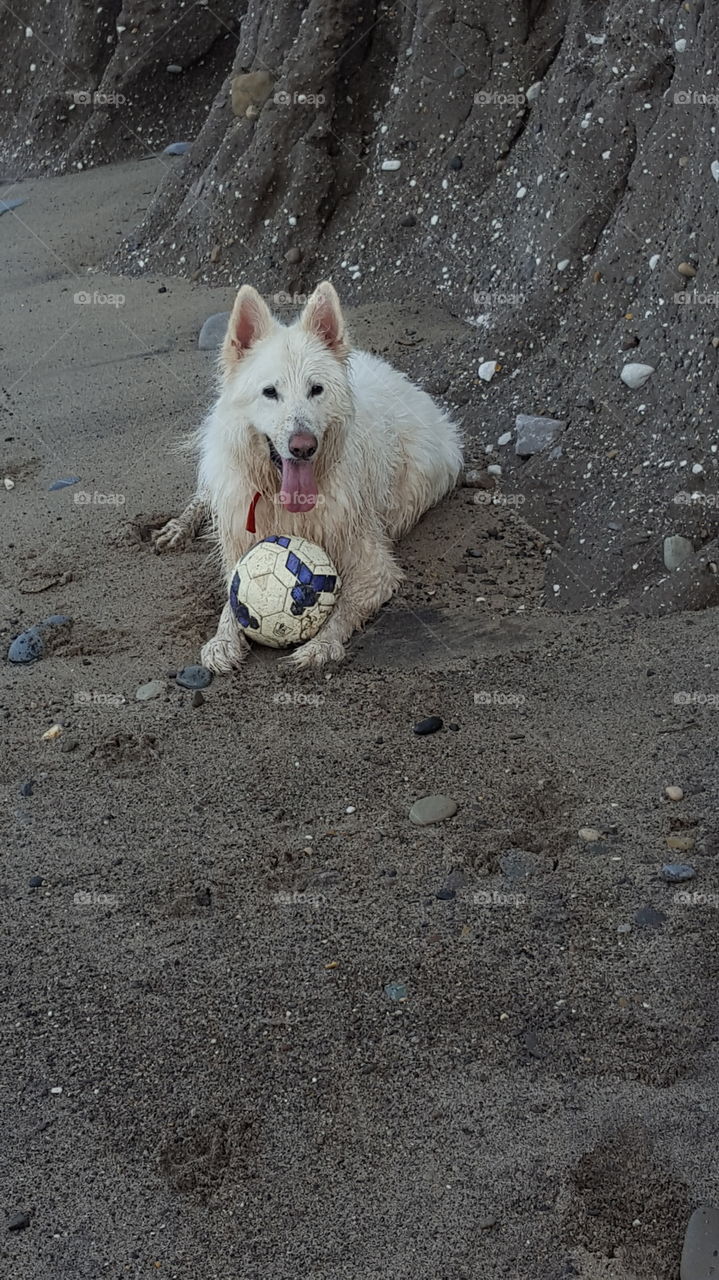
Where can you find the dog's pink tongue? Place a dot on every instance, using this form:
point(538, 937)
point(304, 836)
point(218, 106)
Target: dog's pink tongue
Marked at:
point(298, 490)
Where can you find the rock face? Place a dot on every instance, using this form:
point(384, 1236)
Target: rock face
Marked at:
point(590, 219)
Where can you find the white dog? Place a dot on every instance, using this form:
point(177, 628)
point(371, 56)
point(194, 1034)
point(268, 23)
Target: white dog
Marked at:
point(311, 438)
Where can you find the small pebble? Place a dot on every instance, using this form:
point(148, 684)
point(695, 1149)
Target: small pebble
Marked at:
point(430, 809)
point(686, 269)
point(174, 69)
point(635, 375)
point(456, 163)
point(624, 928)
point(35, 881)
point(197, 700)
point(535, 433)
point(485, 1224)
point(391, 166)
point(676, 872)
point(69, 744)
point(674, 793)
point(52, 733)
point(293, 255)
point(680, 844)
point(589, 834)
point(676, 550)
point(487, 370)
point(193, 677)
point(63, 484)
point(177, 149)
point(28, 787)
point(454, 727)
point(153, 689)
point(408, 220)
point(9, 484)
point(18, 1222)
point(396, 991)
point(431, 725)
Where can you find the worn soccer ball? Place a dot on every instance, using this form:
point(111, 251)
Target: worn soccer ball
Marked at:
point(283, 590)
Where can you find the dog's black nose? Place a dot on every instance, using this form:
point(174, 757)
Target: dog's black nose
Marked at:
point(303, 446)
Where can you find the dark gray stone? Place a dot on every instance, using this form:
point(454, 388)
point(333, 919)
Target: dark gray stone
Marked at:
point(431, 809)
point(18, 1222)
point(649, 918)
point(535, 433)
point(431, 725)
point(700, 1254)
point(193, 677)
point(676, 873)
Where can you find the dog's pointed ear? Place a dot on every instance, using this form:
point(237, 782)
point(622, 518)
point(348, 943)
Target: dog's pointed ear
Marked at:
point(251, 320)
point(323, 317)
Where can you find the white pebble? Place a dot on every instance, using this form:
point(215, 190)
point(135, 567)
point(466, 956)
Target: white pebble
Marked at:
point(697, 469)
point(504, 439)
point(674, 793)
point(9, 484)
point(390, 166)
point(635, 375)
point(562, 266)
point(715, 170)
point(487, 370)
point(494, 469)
point(680, 46)
point(350, 808)
point(653, 261)
point(521, 193)
point(534, 91)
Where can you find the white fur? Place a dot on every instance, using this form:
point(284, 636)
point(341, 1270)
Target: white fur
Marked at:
point(386, 453)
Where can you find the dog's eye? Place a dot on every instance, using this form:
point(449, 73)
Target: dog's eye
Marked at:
point(316, 389)
point(270, 392)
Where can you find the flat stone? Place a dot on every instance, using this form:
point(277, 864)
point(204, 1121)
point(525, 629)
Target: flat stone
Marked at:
point(18, 1222)
point(700, 1253)
point(193, 677)
point(177, 149)
point(213, 331)
point(63, 484)
point(649, 918)
point(7, 205)
point(431, 809)
point(153, 689)
point(35, 881)
point(432, 724)
point(676, 550)
point(677, 873)
point(535, 433)
point(589, 834)
point(680, 844)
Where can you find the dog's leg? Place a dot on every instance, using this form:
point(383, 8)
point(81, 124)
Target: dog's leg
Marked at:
point(177, 532)
point(228, 648)
point(368, 581)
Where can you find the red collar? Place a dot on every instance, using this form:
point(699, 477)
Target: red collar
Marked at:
point(250, 526)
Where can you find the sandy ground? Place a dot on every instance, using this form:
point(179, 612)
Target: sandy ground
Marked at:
point(203, 1074)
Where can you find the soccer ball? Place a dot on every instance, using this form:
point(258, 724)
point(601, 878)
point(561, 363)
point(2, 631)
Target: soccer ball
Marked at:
point(282, 590)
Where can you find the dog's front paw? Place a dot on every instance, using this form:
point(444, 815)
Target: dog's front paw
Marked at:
point(315, 653)
point(170, 537)
point(223, 655)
